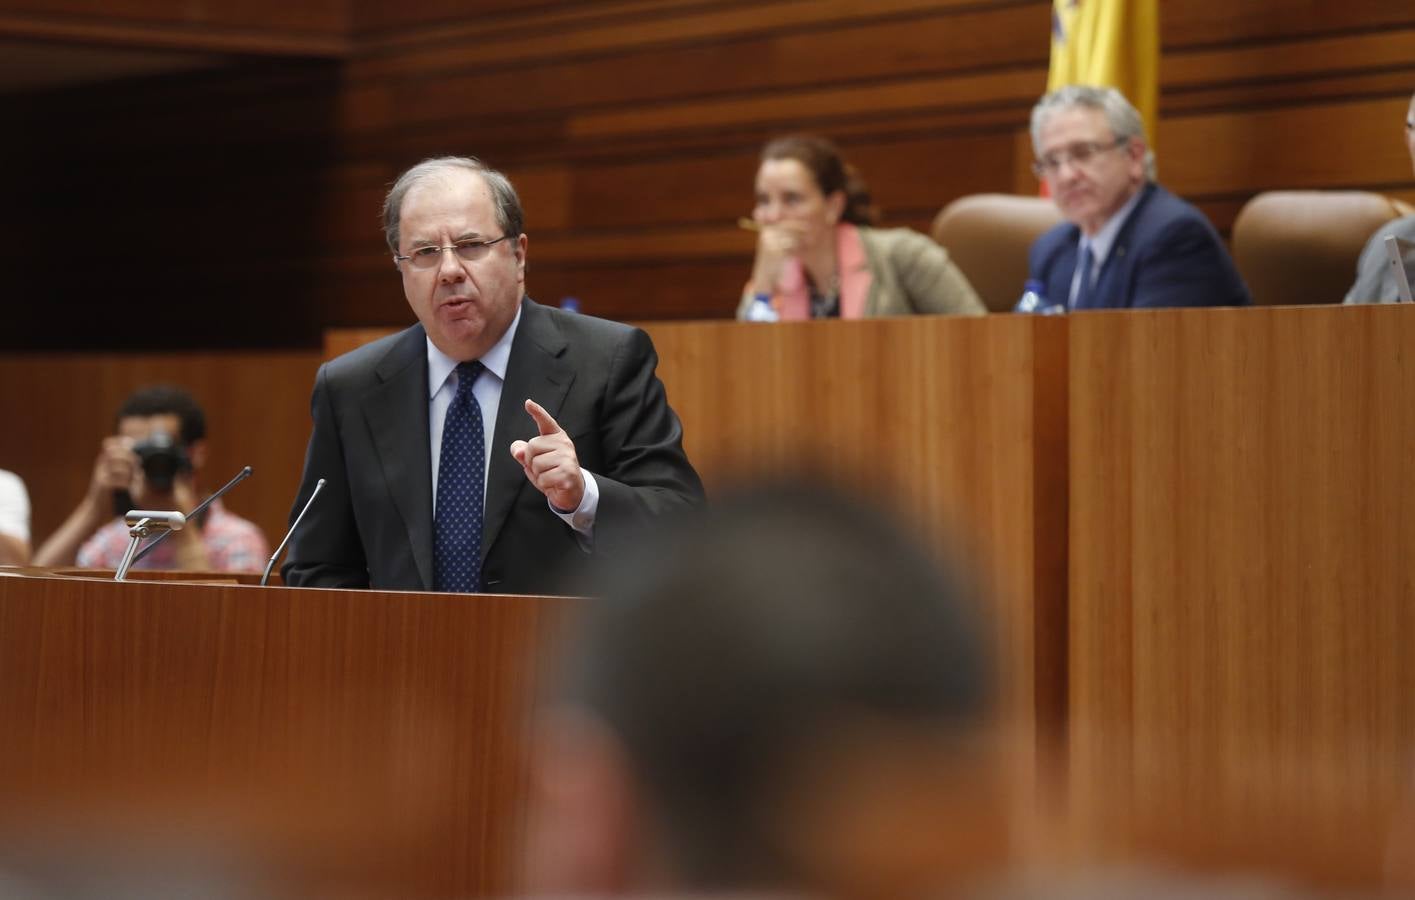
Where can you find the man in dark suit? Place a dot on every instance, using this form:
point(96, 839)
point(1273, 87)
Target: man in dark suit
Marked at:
point(483, 447)
point(1127, 242)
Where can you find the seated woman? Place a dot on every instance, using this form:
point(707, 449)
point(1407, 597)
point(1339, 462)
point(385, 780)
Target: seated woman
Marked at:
point(819, 256)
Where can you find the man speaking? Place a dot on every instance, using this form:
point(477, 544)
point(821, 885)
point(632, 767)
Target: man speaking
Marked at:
point(482, 447)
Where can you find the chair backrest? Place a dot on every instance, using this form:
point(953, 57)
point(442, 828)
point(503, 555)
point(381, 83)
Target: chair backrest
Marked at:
point(988, 235)
point(1299, 247)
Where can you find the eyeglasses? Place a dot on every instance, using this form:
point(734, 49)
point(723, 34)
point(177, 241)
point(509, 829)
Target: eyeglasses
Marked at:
point(431, 257)
point(1078, 154)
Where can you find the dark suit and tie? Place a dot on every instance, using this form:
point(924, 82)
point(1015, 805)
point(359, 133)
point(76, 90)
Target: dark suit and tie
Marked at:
point(373, 524)
point(1166, 254)
point(1151, 248)
point(604, 418)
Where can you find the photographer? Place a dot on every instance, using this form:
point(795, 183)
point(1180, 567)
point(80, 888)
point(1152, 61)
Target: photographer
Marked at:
point(151, 462)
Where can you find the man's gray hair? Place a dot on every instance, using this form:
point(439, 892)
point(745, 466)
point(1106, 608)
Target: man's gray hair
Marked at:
point(509, 216)
point(1124, 120)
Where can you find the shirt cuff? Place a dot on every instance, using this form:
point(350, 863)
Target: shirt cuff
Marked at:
point(582, 517)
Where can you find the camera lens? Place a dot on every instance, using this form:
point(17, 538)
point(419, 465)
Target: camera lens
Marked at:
point(163, 459)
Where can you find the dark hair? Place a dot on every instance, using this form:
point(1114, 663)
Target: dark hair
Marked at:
point(509, 216)
point(166, 399)
point(732, 644)
point(832, 173)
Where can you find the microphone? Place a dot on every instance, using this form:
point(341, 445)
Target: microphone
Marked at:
point(154, 518)
point(240, 476)
point(318, 486)
point(144, 523)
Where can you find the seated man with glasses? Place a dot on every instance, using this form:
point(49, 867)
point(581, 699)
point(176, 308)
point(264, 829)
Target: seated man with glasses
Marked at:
point(495, 440)
point(1127, 242)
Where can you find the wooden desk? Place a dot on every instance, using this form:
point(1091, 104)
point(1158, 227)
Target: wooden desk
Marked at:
point(339, 738)
point(959, 424)
point(1242, 582)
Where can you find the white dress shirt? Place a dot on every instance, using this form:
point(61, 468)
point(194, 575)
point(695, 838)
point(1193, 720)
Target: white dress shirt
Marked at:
point(442, 387)
point(1100, 242)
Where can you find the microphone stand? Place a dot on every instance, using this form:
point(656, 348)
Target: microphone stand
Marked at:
point(265, 577)
point(240, 476)
point(147, 523)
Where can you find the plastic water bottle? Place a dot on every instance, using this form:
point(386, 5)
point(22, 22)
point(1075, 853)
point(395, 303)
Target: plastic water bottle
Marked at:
point(1034, 301)
point(760, 310)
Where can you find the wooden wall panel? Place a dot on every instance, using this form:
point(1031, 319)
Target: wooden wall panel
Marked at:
point(61, 406)
point(1194, 22)
point(728, 68)
point(632, 127)
point(314, 28)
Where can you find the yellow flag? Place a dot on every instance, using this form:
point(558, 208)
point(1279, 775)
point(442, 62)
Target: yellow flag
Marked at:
point(1109, 43)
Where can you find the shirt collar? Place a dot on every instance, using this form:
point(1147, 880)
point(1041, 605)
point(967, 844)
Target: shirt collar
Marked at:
point(1103, 240)
point(440, 366)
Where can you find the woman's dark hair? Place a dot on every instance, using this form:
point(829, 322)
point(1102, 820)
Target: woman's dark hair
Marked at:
point(822, 159)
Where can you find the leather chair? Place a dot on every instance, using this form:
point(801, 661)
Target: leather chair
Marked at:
point(1301, 247)
point(988, 235)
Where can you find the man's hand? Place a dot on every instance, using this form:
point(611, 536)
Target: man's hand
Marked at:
point(550, 462)
point(115, 469)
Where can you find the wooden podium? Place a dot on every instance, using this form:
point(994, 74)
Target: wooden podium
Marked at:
point(1242, 587)
point(332, 738)
point(1196, 523)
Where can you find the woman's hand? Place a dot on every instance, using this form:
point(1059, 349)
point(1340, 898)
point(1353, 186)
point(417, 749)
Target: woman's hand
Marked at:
point(775, 244)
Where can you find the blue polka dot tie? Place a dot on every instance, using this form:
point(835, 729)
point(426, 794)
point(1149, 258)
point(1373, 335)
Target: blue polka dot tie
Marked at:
point(461, 471)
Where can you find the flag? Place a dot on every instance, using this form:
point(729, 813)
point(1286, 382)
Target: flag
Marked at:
point(1109, 43)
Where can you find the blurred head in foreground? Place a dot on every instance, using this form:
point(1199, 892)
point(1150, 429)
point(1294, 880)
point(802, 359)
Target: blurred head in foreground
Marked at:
point(781, 693)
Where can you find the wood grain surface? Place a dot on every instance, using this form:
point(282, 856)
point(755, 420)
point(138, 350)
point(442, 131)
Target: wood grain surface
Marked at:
point(631, 127)
point(349, 743)
point(1240, 582)
point(958, 425)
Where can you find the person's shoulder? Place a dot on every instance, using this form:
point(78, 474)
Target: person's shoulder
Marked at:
point(1050, 242)
point(902, 249)
point(544, 323)
point(1163, 206)
point(10, 482)
point(890, 236)
point(897, 241)
point(1164, 217)
point(1403, 228)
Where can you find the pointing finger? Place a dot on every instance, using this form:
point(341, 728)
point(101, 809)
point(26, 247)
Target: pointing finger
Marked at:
point(544, 421)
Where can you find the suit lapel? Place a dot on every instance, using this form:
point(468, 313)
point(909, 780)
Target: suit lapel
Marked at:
point(536, 369)
point(1059, 291)
point(1107, 293)
point(396, 413)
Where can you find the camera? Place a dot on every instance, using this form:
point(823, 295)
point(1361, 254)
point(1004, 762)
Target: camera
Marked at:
point(163, 459)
